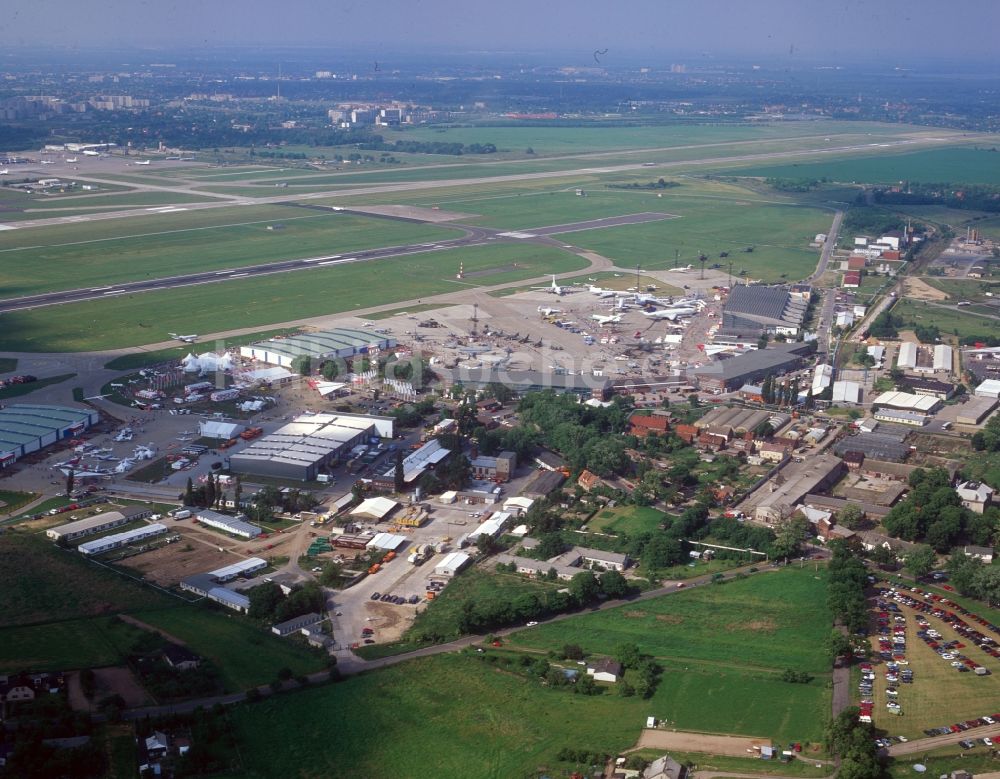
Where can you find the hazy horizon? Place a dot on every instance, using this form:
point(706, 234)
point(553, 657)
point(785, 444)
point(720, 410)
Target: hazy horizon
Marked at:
point(583, 32)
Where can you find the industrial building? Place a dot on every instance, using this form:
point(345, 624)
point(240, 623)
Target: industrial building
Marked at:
point(498, 469)
point(822, 378)
point(925, 404)
point(97, 523)
point(728, 374)
point(583, 384)
point(884, 445)
point(242, 568)
point(207, 584)
point(761, 309)
point(847, 392)
point(738, 420)
point(387, 542)
point(907, 356)
point(295, 624)
point(340, 343)
point(988, 389)
point(975, 410)
point(776, 500)
point(901, 417)
point(492, 527)
point(452, 564)
point(106, 544)
point(26, 428)
point(227, 523)
point(299, 449)
point(942, 390)
point(375, 508)
point(943, 358)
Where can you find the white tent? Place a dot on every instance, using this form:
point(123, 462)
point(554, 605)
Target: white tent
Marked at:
point(211, 362)
point(223, 430)
point(190, 364)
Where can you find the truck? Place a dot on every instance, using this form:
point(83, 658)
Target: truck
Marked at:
point(389, 556)
point(181, 514)
point(251, 433)
point(375, 568)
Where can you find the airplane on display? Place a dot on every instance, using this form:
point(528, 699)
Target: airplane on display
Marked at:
point(606, 320)
point(5, 172)
point(554, 288)
point(47, 162)
point(188, 339)
point(143, 162)
point(89, 153)
point(670, 313)
point(70, 159)
point(685, 269)
point(549, 311)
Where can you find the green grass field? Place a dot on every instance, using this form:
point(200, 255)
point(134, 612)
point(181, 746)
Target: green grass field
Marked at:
point(767, 622)
point(950, 321)
point(133, 320)
point(57, 646)
point(450, 716)
point(42, 583)
point(965, 164)
point(102, 253)
point(965, 289)
point(19, 390)
point(135, 360)
point(246, 655)
point(626, 519)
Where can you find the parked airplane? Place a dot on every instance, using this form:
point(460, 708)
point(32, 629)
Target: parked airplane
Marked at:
point(685, 269)
point(89, 153)
point(70, 159)
point(188, 339)
point(670, 313)
point(48, 162)
point(601, 293)
point(554, 288)
point(5, 172)
point(606, 320)
point(143, 162)
point(548, 311)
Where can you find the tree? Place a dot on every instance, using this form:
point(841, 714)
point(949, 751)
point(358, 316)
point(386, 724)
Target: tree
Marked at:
point(628, 655)
point(585, 685)
point(70, 481)
point(986, 584)
point(302, 365)
point(237, 491)
point(584, 587)
point(264, 601)
point(486, 544)
point(851, 516)
point(189, 493)
point(789, 536)
point(614, 585)
point(693, 400)
point(883, 556)
point(920, 561)
point(839, 645)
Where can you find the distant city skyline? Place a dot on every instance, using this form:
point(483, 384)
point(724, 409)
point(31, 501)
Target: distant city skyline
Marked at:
point(596, 33)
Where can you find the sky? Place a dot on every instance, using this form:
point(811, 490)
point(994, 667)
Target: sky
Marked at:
point(810, 30)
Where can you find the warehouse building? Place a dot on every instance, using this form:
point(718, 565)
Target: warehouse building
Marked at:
point(415, 465)
point(227, 523)
point(847, 392)
point(988, 389)
point(901, 417)
point(106, 544)
point(904, 401)
point(452, 564)
point(26, 428)
point(207, 584)
point(778, 498)
point(498, 469)
point(975, 410)
point(886, 445)
point(907, 357)
point(492, 527)
point(341, 342)
point(761, 309)
point(943, 358)
point(242, 568)
point(822, 378)
point(375, 508)
point(729, 374)
point(299, 449)
point(98, 523)
point(942, 390)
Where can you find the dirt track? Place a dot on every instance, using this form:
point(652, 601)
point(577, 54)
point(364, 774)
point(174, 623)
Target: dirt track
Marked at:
point(680, 740)
point(921, 290)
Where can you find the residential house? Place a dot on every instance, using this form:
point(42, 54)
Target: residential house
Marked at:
point(180, 657)
point(664, 768)
point(852, 279)
point(588, 480)
point(975, 495)
point(983, 553)
point(605, 670)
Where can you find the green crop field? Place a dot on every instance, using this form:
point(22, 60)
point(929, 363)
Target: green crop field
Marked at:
point(42, 583)
point(770, 621)
point(955, 165)
point(246, 655)
point(626, 519)
point(33, 262)
point(133, 320)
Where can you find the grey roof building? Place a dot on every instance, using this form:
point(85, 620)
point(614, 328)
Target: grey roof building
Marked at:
point(732, 373)
point(882, 445)
point(763, 309)
point(26, 428)
point(585, 385)
point(326, 344)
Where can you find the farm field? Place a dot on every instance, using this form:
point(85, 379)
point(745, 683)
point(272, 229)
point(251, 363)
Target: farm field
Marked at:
point(246, 655)
point(465, 718)
point(626, 519)
point(31, 263)
point(768, 622)
point(133, 320)
point(966, 164)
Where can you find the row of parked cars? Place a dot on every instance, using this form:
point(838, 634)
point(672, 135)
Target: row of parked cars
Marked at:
point(399, 600)
point(960, 727)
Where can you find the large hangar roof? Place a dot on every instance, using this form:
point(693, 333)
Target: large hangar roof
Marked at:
point(324, 342)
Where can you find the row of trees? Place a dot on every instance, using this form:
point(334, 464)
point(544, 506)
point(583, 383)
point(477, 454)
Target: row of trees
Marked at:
point(780, 392)
point(969, 576)
point(846, 588)
point(269, 604)
point(854, 742)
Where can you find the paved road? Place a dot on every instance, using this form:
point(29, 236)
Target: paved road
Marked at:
point(828, 246)
point(922, 745)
